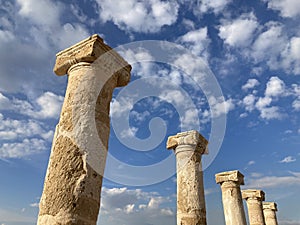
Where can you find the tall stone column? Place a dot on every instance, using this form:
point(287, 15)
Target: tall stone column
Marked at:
point(269, 209)
point(73, 181)
point(254, 200)
point(230, 182)
point(189, 147)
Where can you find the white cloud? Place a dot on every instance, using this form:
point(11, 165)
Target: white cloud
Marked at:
point(256, 175)
point(269, 113)
point(155, 202)
point(118, 108)
point(140, 61)
point(190, 119)
point(11, 217)
point(50, 105)
point(288, 159)
point(269, 45)
point(287, 8)
point(274, 181)
point(167, 212)
point(129, 133)
point(251, 83)
point(220, 106)
point(239, 32)
point(47, 105)
point(288, 222)
point(296, 104)
point(11, 129)
point(263, 102)
point(291, 56)
point(173, 96)
point(139, 16)
point(205, 6)
point(43, 12)
point(22, 149)
point(248, 102)
point(124, 206)
point(275, 87)
point(251, 163)
point(34, 205)
point(196, 40)
point(38, 34)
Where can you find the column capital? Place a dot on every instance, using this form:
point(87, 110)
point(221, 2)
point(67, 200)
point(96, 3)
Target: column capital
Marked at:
point(233, 175)
point(192, 137)
point(253, 194)
point(270, 205)
point(89, 50)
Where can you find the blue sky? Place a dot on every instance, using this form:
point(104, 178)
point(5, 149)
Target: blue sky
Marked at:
point(248, 49)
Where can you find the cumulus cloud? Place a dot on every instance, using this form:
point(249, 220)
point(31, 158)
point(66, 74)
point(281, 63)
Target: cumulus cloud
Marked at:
point(204, 6)
point(275, 87)
point(139, 16)
point(11, 129)
point(35, 29)
point(196, 40)
point(275, 92)
point(287, 8)
point(47, 105)
point(251, 83)
point(296, 104)
point(119, 107)
point(291, 56)
point(219, 106)
point(248, 102)
point(22, 149)
point(288, 159)
point(135, 207)
point(239, 32)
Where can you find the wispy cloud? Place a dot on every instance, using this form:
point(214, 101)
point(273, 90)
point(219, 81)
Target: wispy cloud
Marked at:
point(274, 181)
point(288, 159)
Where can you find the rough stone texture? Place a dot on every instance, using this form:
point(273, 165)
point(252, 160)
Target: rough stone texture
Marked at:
point(254, 200)
point(189, 147)
point(73, 181)
point(270, 209)
point(230, 182)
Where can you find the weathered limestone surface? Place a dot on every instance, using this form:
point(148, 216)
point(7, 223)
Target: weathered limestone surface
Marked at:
point(270, 209)
point(73, 181)
point(230, 182)
point(189, 147)
point(254, 200)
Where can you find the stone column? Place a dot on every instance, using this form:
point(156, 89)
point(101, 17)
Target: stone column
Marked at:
point(254, 200)
point(189, 147)
point(269, 209)
point(230, 182)
point(73, 181)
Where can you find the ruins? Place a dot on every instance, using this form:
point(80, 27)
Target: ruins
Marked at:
point(269, 209)
point(230, 182)
point(188, 148)
point(254, 200)
point(73, 181)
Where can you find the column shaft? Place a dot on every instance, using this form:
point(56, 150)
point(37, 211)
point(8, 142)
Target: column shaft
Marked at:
point(73, 181)
point(231, 197)
point(269, 209)
point(190, 192)
point(254, 200)
point(189, 147)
